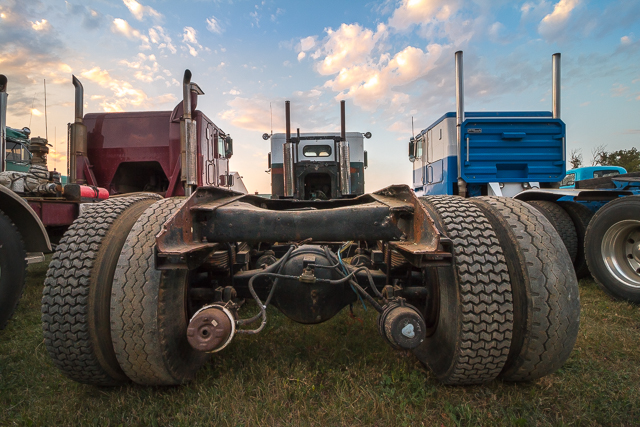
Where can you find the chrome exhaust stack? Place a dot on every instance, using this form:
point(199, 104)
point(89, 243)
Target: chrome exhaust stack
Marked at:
point(288, 151)
point(462, 185)
point(188, 136)
point(555, 84)
point(78, 136)
point(345, 157)
point(3, 122)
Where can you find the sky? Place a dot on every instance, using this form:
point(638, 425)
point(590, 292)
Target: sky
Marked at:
point(391, 60)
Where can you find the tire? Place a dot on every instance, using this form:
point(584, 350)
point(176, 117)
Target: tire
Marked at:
point(470, 324)
point(580, 215)
point(76, 295)
point(148, 309)
point(562, 222)
point(545, 289)
point(612, 248)
point(13, 268)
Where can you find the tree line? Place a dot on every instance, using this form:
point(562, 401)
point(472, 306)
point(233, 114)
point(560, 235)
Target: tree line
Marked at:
point(628, 159)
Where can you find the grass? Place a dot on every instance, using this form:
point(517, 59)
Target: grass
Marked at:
point(337, 373)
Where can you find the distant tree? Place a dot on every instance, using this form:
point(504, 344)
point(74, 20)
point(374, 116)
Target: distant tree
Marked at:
point(628, 159)
point(598, 154)
point(576, 158)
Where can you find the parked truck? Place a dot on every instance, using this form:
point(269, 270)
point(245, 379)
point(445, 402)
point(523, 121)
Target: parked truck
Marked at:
point(110, 155)
point(523, 155)
point(477, 289)
point(321, 166)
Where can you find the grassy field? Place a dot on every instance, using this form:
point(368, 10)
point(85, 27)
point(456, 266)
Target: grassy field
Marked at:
point(336, 373)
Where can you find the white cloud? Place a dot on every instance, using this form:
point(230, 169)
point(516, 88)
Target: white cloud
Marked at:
point(139, 11)
point(120, 26)
point(213, 25)
point(307, 43)
point(124, 94)
point(554, 23)
point(189, 38)
point(421, 12)
point(158, 36)
point(625, 40)
point(301, 56)
point(42, 25)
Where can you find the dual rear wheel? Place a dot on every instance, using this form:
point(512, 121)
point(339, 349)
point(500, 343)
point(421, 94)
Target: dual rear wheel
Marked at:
point(509, 306)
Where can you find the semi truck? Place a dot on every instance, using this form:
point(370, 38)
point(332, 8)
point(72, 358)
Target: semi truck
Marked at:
point(477, 289)
point(110, 154)
point(523, 155)
point(320, 166)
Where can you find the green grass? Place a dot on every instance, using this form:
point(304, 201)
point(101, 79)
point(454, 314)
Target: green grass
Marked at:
point(337, 373)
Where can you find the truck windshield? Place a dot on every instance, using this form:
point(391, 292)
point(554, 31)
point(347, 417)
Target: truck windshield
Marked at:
point(570, 179)
point(603, 173)
point(317, 151)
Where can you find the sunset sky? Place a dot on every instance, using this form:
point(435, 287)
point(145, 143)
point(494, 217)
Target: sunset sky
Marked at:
point(390, 60)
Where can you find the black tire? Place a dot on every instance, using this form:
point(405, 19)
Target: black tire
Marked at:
point(13, 267)
point(562, 222)
point(469, 339)
point(148, 308)
point(580, 215)
point(545, 289)
point(612, 248)
point(76, 295)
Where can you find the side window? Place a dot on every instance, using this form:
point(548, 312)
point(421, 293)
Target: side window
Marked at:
point(601, 174)
point(420, 142)
point(570, 179)
point(220, 146)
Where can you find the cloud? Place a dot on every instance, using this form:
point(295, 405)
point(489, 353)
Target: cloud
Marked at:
point(124, 94)
point(213, 25)
point(625, 40)
point(146, 68)
point(91, 19)
point(139, 11)
point(422, 12)
point(120, 26)
point(555, 23)
point(42, 25)
point(190, 42)
point(349, 44)
point(158, 36)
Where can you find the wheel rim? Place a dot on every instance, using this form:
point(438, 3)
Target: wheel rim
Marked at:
point(621, 252)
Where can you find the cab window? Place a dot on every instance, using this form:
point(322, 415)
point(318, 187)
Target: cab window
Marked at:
point(16, 152)
point(570, 179)
point(603, 173)
point(317, 151)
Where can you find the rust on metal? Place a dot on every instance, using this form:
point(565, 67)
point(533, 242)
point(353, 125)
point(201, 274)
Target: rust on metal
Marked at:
point(210, 329)
point(213, 215)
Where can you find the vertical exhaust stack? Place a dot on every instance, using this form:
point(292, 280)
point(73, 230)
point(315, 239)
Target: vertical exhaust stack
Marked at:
point(188, 137)
point(462, 185)
point(555, 84)
point(288, 155)
point(3, 122)
point(78, 139)
point(345, 157)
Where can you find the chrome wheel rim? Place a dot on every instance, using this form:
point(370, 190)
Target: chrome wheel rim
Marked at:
point(620, 252)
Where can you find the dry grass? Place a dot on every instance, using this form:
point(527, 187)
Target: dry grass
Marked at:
point(337, 373)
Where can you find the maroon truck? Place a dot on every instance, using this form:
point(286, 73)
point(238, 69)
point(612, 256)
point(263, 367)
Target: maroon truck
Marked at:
point(158, 153)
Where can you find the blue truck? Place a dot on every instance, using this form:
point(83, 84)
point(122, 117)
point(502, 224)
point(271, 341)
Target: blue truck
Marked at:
point(596, 210)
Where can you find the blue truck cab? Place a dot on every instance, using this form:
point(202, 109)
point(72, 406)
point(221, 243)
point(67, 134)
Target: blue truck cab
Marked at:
point(589, 172)
point(501, 153)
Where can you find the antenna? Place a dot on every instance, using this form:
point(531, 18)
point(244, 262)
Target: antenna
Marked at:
point(46, 131)
point(271, 112)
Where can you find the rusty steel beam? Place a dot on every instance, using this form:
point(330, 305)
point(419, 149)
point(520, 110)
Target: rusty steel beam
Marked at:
point(212, 216)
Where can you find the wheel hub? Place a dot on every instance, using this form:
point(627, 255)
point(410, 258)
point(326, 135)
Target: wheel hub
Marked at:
point(621, 251)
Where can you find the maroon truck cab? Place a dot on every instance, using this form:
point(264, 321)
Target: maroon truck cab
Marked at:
point(140, 151)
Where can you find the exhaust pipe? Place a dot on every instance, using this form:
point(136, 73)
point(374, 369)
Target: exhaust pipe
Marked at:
point(345, 157)
point(462, 185)
point(288, 154)
point(78, 137)
point(3, 122)
point(188, 136)
point(555, 84)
